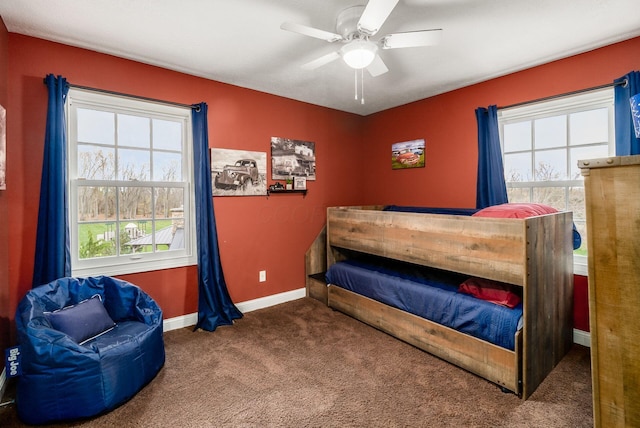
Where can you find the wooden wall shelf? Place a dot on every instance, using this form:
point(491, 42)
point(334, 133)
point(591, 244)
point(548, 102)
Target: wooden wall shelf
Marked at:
point(282, 192)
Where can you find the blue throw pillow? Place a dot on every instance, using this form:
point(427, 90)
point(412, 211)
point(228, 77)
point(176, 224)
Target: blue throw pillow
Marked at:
point(83, 321)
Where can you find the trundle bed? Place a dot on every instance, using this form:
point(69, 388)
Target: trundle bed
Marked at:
point(402, 251)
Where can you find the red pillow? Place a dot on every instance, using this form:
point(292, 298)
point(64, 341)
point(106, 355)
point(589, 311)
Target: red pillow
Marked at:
point(491, 291)
point(515, 210)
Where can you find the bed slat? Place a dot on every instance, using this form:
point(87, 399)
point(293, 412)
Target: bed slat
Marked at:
point(493, 250)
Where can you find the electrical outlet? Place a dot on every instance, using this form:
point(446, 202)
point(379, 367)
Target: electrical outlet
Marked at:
point(263, 276)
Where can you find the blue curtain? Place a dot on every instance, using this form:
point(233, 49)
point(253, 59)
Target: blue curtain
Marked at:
point(491, 188)
point(53, 257)
point(626, 141)
point(214, 304)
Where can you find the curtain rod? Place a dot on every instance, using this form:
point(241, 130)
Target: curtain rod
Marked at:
point(120, 94)
point(566, 94)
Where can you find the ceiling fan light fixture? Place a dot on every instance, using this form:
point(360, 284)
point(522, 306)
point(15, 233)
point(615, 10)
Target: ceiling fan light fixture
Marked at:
point(359, 53)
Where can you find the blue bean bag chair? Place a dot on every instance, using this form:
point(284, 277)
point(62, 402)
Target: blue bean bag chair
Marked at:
point(88, 345)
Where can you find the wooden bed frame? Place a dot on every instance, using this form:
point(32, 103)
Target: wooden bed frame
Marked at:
point(535, 253)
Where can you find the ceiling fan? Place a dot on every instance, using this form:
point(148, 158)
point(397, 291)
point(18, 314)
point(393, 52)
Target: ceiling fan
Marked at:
point(354, 28)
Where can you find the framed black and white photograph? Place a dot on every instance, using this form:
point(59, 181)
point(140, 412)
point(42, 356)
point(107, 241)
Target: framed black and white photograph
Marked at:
point(292, 158)
point(299, 183)
point(238, 172)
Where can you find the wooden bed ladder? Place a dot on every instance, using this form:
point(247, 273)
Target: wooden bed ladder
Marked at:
point(315, 260)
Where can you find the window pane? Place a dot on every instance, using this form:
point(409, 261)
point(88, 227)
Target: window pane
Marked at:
point(582, 229)
point(553, 196)
point(167, 166)
point(576, 203)
point(133, 164)
point(136, 236)
point(517, 136)
point(517, 167)
point(133, 131)
point(551, 165)
point(96, 126)
point(129, 235)
point(551, 132)
point(96, 163)
point(168, 201)
point(132, 229)
point(96, 240)
point(580, 153)
point(169, 206)
point(589, 127)
point(167, 135)
point(522, 195)
point(134, 203)
point(96, 203)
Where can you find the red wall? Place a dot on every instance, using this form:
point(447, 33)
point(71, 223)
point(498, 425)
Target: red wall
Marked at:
point(6, 310)
point(581, 303)
point(255, 233)
point(259, 233)
point(447, 123)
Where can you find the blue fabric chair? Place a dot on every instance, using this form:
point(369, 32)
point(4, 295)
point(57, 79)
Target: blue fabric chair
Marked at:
point(94, 360)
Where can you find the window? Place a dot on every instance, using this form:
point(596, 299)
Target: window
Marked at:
point(130, 184)
point(541, 146)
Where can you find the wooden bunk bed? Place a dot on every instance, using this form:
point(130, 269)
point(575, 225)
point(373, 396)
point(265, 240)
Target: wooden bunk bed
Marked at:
point(534, 253)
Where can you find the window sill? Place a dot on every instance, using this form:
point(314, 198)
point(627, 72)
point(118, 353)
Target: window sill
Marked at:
point(580, 269)
point(130, 268)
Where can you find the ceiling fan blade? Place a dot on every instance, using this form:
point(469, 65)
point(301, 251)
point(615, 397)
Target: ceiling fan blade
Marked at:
point(319, 62)
point(377, 67)
point(374, 15)
point(411, 39)
point(310, 31)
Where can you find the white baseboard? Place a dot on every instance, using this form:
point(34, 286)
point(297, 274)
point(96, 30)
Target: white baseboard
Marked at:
point(276, 299)
point(189, 320)
point(582, 337)
point(179, 322)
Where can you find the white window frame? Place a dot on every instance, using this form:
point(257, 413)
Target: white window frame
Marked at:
point(598, 98)
point(138, 262)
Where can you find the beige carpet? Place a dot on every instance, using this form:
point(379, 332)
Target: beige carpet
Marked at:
point(300, 364)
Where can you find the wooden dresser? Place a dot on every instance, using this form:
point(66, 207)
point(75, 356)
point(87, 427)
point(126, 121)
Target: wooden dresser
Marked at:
point(612, 196)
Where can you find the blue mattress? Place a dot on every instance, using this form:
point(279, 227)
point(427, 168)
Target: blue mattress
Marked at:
point(431, 294)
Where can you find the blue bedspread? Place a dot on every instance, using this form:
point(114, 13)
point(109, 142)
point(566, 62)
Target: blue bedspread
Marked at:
point(430, 294)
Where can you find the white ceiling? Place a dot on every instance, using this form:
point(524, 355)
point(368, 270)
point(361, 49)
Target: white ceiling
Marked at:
point(240, 41)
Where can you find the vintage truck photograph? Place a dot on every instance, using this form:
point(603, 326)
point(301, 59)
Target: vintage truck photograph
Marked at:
point(238, 172)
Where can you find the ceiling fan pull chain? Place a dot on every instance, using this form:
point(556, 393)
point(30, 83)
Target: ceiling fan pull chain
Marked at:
point(361, 86)
point(355, 84)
